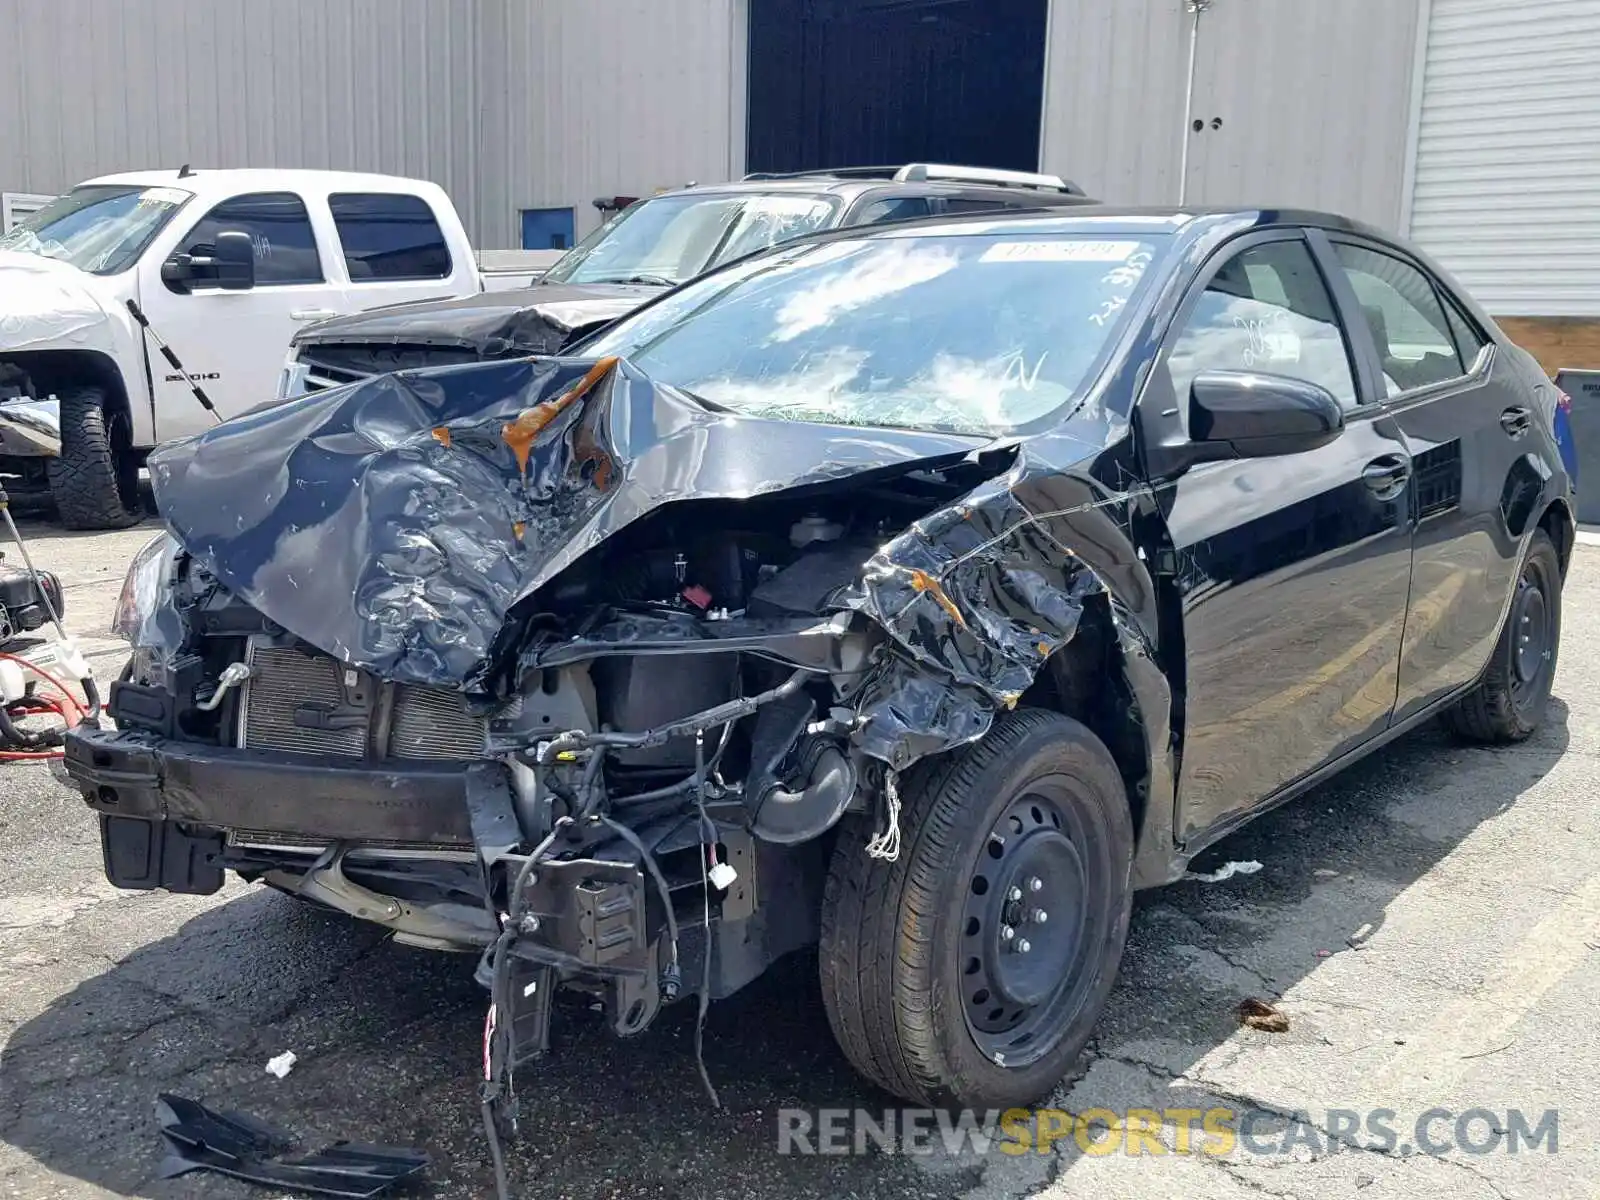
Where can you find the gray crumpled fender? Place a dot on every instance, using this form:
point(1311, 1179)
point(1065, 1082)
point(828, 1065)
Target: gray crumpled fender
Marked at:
point(977, 596)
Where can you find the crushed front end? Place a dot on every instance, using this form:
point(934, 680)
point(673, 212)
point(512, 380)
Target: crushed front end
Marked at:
point(545, 662)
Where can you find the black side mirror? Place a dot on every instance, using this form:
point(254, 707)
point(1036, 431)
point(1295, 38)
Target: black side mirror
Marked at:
point(1242, 414)
point(1260, 416)
point(230, 265)
point(235, 258)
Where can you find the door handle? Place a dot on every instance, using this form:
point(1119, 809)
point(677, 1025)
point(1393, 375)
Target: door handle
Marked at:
point(1516, 421)
point(1388, 475)
point(312, 314)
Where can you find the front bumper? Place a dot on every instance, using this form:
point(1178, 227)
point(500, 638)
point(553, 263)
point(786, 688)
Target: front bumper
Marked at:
point(136, 774)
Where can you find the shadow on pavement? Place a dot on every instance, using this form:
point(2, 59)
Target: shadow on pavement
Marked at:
point(388, 1037)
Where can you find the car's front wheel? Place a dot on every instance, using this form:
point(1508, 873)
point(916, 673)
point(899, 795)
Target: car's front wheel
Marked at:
point(95, 481)
point(1509, 701)
point(971, 970)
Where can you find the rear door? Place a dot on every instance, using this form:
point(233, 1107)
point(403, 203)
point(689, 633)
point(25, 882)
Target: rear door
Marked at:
point(1293, 571)
point(393, 250)
point(1467, 417)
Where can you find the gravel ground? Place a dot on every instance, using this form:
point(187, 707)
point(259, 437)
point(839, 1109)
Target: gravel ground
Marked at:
point(1429, 922)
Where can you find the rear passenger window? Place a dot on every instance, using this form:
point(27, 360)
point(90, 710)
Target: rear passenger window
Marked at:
point(1415, 342)
point(1266, 310)
point(967, 204)
point(279, 228)
point(389, 237)
point(900, 208)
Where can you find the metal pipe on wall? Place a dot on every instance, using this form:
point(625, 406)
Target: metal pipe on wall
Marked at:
point(1195, 8)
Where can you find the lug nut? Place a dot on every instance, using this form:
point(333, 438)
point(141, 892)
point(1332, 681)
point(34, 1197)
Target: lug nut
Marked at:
point(1040, 916)
point(1007, 933)
point(1022, 946)
point(1014, 894)
point(1035, 884)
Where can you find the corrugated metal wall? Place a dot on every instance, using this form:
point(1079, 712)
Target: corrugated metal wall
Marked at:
point(508, 104)
point(607, 97)
point(1507, 190)
point(1303, 103)
point(93, 86)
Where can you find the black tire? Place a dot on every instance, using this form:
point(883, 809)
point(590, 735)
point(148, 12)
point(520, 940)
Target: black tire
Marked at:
point(1509, 701)
point(900, 939)
point(95, 481)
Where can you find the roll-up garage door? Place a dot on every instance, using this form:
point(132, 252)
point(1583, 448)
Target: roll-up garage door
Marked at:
point(1506, 185)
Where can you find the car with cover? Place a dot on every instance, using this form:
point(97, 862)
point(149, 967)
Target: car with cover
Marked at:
point(917, 592)
point(142, 307)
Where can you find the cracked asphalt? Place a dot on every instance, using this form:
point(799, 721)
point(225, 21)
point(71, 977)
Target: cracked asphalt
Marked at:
point(1429, 923)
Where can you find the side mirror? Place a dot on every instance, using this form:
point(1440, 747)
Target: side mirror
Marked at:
point(235, 258)
point(230, 265)
point(1245, 415)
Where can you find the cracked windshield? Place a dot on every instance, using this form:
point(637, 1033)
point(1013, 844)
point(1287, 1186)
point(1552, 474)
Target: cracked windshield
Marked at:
point(672, 238)
point(102, 230)
point(966, 334)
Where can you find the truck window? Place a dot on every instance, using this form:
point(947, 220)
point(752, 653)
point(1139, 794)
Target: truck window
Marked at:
point(387, 236)
point(278, 224)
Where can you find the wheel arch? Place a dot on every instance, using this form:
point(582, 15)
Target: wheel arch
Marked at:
point(1113, 687)
point(57, 370)
point(1557, 521)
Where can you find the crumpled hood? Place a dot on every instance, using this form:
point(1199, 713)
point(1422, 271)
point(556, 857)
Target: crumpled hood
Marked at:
point(46, 304)
point(535, 320)
point(393, 523)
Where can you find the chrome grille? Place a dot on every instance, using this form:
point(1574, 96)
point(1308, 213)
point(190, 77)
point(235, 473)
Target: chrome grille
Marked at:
point(433, 723)
point(426, 723)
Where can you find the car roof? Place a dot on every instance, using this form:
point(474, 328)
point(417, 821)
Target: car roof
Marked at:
point(1095, 218)
point(210, 184)
point(850, 182)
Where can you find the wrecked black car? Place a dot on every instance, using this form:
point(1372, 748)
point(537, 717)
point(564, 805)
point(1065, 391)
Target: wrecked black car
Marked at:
point(918, 592)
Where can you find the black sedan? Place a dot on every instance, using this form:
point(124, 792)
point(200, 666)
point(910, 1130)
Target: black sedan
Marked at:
point(921, 592)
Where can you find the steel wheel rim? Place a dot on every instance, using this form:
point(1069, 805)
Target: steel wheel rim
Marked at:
point(1530, 634)
point(1028, 927)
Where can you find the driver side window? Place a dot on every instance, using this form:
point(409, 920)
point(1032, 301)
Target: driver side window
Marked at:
point(1266, 310)
point(279, 227)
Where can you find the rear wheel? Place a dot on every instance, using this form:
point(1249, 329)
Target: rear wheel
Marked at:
point(971, 970)
point(1510, 699)
point(95, 481)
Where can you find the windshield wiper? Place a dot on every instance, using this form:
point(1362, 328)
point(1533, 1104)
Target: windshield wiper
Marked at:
point(653, 280)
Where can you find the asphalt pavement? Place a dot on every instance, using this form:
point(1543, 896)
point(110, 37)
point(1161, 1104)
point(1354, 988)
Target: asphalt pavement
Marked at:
point(1429, 923)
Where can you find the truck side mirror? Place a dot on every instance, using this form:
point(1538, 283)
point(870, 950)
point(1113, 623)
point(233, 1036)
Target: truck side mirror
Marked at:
point(235, 258)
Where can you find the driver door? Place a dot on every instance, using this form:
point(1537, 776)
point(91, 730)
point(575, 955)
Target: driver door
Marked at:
point(1294, 570)
point(232, 343)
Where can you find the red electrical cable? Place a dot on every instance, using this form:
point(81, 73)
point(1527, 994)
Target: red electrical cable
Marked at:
point(42, 704)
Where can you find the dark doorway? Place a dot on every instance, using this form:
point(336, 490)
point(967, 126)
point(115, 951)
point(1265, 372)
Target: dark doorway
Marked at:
point(838, 83)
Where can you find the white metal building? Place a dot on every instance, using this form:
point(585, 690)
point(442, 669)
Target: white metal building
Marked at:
point(1475, 124)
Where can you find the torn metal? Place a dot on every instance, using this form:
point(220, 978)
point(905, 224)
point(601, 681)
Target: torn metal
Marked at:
point(240, 1146)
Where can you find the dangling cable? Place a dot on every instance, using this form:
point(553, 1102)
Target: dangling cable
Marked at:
point(708, 837)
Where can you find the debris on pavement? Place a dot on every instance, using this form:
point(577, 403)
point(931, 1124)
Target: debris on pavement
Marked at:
point(1225, 871)
point(281, 1064)
point(1258, 1014)
point(242, 1147)
point(1325, 873)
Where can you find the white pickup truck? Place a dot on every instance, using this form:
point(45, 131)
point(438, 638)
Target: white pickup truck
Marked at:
point(141, 307)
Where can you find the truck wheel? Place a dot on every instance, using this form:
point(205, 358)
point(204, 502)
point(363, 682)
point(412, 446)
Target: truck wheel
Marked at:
point(95, 481)
point(1510, 699)
point(971, 970)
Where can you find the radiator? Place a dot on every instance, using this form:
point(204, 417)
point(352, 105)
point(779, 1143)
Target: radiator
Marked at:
point(308, 703)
